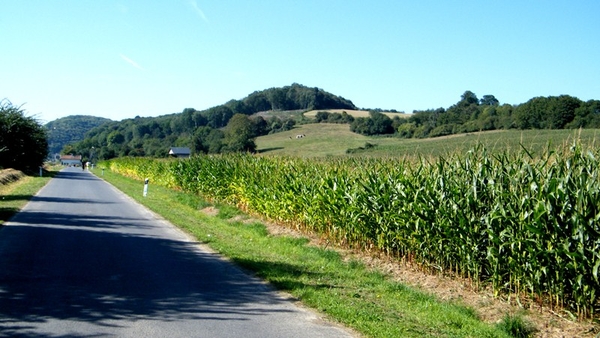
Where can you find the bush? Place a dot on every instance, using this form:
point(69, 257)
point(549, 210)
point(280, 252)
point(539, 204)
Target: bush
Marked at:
point(23, 140)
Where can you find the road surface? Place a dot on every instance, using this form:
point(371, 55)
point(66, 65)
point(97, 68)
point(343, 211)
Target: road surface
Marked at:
point(81, 259)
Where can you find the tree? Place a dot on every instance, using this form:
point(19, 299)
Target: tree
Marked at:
point(257, 102)
point(115, 138)
point(239, 134)
point(468, 98)
point(586, 116)
point(23, 140)
point(68, 149)
point(529, 114)
point(376, 124)
point(238, 107)
point(382, 123)
point(200, 139)
point(561, 110)
point(321, 116)
point(277, 99)
point(553, 112)
point(406, 130)
point(218, 117)
point(489, 100)
point(259, 125)
point(215, 141)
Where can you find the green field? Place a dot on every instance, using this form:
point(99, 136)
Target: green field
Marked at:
point(342, 289)
point(322, 140)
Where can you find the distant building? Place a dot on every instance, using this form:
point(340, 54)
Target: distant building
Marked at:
point(180, 152)
point(70, 160)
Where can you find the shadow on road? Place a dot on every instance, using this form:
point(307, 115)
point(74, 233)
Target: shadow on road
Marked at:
point(81, 270)
point(74, 175)
point(66, 200)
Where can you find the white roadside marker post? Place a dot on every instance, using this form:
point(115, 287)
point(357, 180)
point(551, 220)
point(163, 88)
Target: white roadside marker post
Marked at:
point(146, 187)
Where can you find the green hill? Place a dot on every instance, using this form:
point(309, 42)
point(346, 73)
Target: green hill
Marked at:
point(70, 129)
point(268, 111)
point(269, 121)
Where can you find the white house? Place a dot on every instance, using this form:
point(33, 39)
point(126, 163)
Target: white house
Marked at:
point(70, 160)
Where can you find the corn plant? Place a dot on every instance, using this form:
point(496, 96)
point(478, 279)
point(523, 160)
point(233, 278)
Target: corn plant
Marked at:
point(522, 222)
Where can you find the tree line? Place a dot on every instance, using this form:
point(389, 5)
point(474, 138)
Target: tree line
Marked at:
point(215, 130)
point(472, 114)
point(230, 127)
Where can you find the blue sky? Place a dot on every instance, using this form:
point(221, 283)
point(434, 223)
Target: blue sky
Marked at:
point(122, 58)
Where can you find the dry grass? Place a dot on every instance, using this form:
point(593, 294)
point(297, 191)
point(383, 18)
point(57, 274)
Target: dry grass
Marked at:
point(10, 175)
point(353, 113)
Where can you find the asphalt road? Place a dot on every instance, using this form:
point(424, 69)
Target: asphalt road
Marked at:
point(81, 259)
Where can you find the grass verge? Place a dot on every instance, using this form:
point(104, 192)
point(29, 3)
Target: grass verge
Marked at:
point(14, 195)
point(347, 292)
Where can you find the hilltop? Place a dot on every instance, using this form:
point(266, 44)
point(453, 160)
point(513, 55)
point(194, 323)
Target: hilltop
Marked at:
point(260, 113)
point(70, 129)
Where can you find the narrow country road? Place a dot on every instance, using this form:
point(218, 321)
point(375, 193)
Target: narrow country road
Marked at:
point(83, 260)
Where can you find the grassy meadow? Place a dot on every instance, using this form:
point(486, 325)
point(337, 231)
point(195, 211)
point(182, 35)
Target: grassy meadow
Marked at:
point(322, 140)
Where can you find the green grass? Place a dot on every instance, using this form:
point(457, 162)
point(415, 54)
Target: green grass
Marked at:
point(324, 140)
point(495, 141)
point(321, 140)
point(345, 291)
point(516, 326)
point(15, 195)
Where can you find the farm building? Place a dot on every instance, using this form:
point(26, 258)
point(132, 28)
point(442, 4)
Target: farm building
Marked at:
point(180, 152)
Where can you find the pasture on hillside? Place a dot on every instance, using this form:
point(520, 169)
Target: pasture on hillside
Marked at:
point(324, 139)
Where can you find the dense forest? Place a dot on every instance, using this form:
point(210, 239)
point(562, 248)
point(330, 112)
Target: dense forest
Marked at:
point(230, 127)
point(472, 114)
point(70, 129)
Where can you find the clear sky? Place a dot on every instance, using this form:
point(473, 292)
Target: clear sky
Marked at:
point(122, 58)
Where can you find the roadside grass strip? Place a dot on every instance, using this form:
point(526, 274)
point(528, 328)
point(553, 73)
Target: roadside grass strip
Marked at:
point(344, 291)
point(16, 193)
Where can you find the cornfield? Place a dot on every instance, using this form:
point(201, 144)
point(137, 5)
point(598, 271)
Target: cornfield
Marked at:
point(521, 223)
